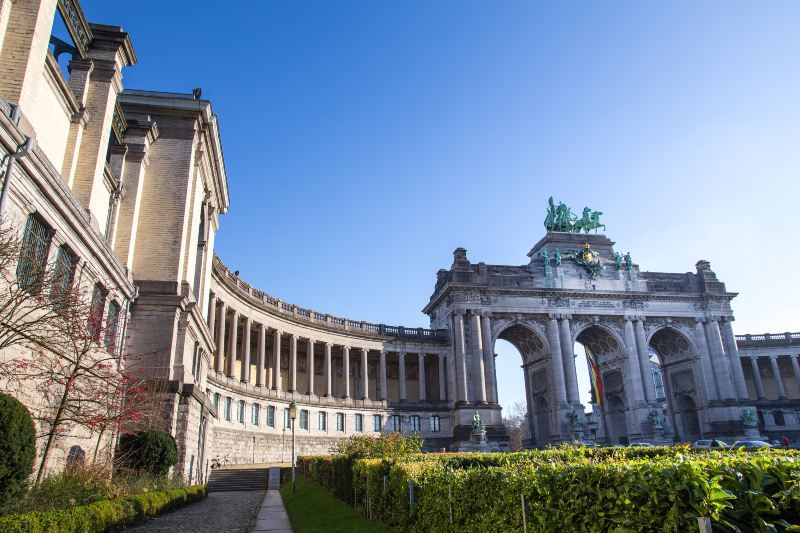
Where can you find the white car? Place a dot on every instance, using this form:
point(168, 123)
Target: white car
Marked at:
point(641, 445)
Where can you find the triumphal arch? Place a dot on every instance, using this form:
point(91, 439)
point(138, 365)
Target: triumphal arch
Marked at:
point(660, 345)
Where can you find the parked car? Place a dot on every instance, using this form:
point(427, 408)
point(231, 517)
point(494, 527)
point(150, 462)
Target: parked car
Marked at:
point(751, 444)
point(641, 445)
point(708, 444)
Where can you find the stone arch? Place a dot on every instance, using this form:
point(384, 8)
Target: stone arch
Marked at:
point(681, 344)
point(528, 342)
point(501, 326)
point(607, 329)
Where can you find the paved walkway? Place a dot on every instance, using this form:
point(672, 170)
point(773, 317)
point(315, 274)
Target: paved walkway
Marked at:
point(220, 512)
point(272, 516)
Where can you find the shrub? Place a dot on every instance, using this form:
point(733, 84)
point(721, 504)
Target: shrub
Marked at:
point(102, 515)
point(150, 450)
point(17, 448)
point(336, 473)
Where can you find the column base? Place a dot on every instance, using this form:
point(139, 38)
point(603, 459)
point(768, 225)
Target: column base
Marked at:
point(460, 403)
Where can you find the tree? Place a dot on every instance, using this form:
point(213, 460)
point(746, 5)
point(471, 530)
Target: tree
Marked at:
point(27, 313)
point(67, 363)
point(150, 450)
point(515, 422)
point(17, 448)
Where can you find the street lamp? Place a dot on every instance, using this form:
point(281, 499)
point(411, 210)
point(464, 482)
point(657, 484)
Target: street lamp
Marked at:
point(293, 415)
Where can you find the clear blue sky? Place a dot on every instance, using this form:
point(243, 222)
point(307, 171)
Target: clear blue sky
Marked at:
point(366, 140)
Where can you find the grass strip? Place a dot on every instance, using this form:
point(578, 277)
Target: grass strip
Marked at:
point(312, 509)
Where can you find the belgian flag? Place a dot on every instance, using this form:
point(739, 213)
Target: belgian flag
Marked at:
point(596, 379)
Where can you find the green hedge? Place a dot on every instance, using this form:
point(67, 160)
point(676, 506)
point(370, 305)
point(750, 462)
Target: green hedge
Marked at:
point(103, 515)
point(583, 489)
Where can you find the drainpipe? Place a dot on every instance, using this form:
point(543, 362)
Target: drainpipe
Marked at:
point(23, 150)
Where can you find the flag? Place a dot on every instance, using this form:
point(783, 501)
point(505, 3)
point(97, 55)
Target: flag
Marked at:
point(594, 377)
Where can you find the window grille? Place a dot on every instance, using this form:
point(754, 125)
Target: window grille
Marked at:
point(33, 253)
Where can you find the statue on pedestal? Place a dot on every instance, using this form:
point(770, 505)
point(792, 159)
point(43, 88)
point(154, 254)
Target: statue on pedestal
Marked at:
point(655, 420)
point(477, 423)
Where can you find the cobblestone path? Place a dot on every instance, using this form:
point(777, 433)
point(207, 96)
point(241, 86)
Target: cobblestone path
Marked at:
point(220, 512)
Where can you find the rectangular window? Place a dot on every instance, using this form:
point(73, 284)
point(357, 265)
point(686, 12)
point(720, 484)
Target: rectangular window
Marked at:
point(33, 253)
point(303, 418)
point(241, 412)
point(397, 424)
point(228, 402)
point(63, 272)
point(339, 421)
point(111, 326)
point(271, 416)
point(255, 414)
point(377, 423)
point(216, 402)
point(98, 305)
point(287, 421)
point(195, 357)
point(323, 421)
point(359, 422)
point(435, 427)
point(415, 423)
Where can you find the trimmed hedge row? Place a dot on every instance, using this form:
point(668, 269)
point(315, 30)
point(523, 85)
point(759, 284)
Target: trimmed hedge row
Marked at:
point(749, 492)
point(622, 489)
point(102, 515)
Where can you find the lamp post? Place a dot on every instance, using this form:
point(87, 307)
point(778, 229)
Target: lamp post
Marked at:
point(293, 415)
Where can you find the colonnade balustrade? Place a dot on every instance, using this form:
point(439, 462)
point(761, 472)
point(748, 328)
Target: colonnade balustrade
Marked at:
point(327, 369)
point(771, 362)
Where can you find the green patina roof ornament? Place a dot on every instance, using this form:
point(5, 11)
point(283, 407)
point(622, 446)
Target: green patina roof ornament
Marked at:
point(587, 258)
point(560, 218)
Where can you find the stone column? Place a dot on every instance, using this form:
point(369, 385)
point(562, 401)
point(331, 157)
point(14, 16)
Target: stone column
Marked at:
point(773, 360)
point(556, 363)
point(568, 360)
point(246, 349)
point(423, 394)
point(231, 370)
point(460, 358)
point(218, 362)
point(364, 374)
point(292, 363)
point(276, 361)
point(328, 367)
point(478, 376)
point(760, 395)
point(384, 393)
point(212, 312)
point(262, 355)
point(310, 366)
point(346, 370)
point(488, 359)
point(796, 369)
point(442, 378)
point(720, 362)
point(634, 382)
point(710, 380)
point(732, 351)
point(644, 362)
point(401, 361)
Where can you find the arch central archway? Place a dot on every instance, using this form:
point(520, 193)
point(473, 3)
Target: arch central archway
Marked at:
point(533, 351)
point(609, 409)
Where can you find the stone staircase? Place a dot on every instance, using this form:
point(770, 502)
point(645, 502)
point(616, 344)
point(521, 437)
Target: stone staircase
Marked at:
point(231, 479)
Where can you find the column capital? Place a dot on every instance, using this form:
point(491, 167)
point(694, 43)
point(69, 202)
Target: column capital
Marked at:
point(727, 318)
point(793, 356)
point(293, 335)
point(422, 355)
point(699, 320)
point(328, 344)
point(773, 356)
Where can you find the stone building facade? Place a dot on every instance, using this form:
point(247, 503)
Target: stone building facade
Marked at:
point(131, 184)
